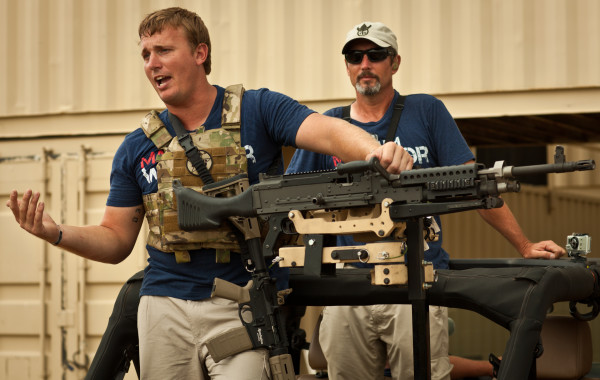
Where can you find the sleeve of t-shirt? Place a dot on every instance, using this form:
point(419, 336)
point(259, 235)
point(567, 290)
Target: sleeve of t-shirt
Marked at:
point(451, 147)
point(281, 115)
point(306, 161)
point(124, 190)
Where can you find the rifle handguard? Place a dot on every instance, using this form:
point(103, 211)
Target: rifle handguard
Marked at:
point(282, 367)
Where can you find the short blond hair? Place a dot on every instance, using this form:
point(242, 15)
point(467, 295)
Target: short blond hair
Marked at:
point(176, 17)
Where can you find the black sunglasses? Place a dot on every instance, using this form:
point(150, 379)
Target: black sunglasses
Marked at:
point(375, 55)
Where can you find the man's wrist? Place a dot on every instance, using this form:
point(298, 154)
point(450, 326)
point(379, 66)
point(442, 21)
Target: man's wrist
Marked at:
point(60, 235)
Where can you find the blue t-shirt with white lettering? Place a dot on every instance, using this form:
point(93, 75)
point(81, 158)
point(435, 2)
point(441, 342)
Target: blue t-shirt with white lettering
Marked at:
point(270, 120)
point(426, 130)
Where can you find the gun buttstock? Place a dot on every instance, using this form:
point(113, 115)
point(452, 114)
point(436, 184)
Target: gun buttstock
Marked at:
point(196, 211)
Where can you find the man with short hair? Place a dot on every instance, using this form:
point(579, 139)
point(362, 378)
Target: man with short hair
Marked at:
point(356, 340)
point(232, 132)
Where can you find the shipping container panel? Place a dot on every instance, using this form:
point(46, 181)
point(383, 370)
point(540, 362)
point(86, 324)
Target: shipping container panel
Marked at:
point(78, 57)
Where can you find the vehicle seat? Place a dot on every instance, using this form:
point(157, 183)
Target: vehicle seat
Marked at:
point(316, 358)
point(567, 351)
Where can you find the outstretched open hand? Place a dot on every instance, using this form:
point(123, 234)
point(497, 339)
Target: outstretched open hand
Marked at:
point(29, 213)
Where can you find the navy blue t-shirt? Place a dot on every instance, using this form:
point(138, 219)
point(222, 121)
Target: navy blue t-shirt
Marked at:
point(270, 120)
point(426, 130)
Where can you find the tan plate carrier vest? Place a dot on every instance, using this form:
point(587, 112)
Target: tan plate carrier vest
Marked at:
point(225, 157)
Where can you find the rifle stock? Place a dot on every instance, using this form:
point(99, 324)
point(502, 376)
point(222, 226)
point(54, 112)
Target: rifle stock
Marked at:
point(197, 211)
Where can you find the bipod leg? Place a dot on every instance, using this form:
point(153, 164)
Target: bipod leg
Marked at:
point(417, 296)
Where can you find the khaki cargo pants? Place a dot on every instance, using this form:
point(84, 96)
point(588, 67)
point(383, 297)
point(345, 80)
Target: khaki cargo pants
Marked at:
point(173, 335)
point(357, 340)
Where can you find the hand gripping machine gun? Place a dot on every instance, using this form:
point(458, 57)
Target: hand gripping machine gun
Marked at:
point(391, 211)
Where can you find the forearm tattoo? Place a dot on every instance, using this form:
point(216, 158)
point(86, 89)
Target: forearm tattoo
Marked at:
point(138, 214)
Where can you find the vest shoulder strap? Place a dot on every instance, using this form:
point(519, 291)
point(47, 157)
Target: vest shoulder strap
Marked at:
point(346, 113)
point(155, 130)
point(231, 118)
point(397, 113)
point(398, 107)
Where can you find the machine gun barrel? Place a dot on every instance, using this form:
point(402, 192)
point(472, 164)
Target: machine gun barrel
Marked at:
point(560, 165)
point(565, 167)
point(523, 171)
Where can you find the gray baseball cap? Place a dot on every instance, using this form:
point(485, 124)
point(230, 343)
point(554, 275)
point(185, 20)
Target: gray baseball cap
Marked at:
point(373, 31)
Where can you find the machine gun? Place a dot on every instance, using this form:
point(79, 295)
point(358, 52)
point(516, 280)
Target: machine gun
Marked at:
point(411, 194)
point(358, 198)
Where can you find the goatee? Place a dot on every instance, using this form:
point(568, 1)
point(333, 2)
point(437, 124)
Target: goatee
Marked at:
point(368, 90)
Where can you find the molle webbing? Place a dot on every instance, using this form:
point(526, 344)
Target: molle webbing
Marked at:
point(225, 157)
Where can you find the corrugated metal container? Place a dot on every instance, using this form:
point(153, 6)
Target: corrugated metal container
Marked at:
point(70, 57)
point(54, 306)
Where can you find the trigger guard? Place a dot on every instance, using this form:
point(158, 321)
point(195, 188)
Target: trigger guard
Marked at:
point(245, 307)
